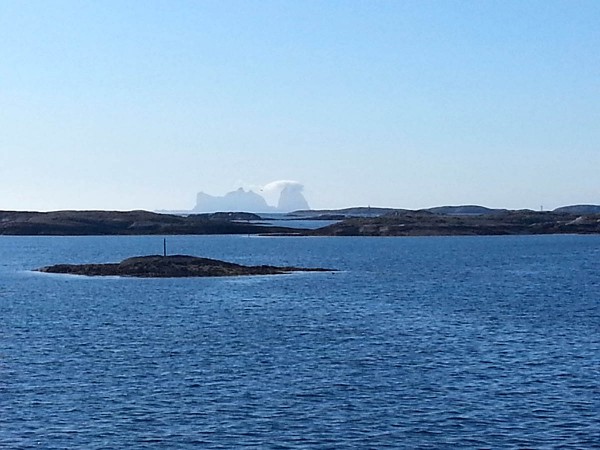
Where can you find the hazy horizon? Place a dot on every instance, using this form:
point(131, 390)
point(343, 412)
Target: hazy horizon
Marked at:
point(123, 105)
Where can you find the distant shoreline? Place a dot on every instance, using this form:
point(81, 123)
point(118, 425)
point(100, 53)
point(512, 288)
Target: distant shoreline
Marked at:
point(442, 221)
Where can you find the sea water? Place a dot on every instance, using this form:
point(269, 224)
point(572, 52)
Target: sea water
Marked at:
point(445, 342)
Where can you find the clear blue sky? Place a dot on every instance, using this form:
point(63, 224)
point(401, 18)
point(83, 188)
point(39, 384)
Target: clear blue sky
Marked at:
point(141, 104)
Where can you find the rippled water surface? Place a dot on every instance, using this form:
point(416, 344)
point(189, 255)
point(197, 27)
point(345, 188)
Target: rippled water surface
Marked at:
point(487, 342)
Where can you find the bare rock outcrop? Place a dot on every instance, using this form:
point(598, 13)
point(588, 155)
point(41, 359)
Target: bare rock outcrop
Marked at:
point(176, 266)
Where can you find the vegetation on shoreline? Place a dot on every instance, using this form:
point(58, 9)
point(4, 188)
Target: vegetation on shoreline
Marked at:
point(433, 222)
point(425, 223)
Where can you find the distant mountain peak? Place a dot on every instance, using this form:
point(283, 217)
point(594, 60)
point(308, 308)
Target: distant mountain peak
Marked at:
point(291, 199)
point(240, 200)
point(234, 201)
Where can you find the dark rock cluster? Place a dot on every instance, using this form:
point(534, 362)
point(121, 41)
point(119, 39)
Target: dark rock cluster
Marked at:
point(172, 266)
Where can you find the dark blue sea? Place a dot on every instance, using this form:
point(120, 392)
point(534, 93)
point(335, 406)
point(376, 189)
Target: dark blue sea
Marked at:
point(416, 343)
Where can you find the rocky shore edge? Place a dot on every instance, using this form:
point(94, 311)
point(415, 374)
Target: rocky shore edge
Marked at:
point(175, 266)
point(441, 221)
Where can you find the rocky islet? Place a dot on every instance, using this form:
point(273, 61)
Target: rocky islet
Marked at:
point(176, 266)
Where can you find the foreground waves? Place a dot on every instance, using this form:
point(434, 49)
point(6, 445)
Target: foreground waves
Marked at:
point(485, 342)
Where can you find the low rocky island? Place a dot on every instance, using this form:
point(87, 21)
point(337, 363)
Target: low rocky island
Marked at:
point(176, 266)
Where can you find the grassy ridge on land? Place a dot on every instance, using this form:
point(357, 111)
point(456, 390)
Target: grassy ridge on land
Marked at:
point(81, 223)
point(426, 223)
point(395, 223)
